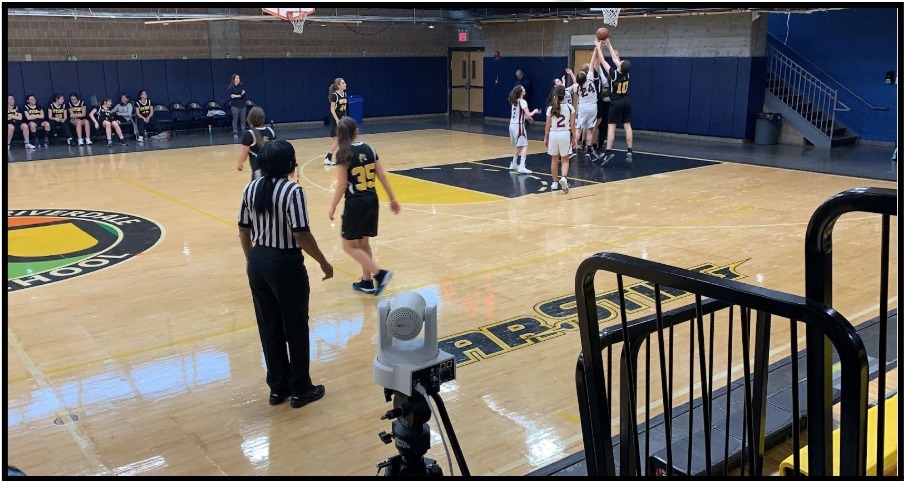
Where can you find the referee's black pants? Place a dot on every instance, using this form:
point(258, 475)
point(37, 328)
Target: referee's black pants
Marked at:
point(280, 290)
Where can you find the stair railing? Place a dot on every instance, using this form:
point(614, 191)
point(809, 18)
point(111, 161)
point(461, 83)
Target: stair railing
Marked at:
point(803, 92)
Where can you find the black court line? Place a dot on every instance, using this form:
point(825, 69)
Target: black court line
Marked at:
point(492, 176)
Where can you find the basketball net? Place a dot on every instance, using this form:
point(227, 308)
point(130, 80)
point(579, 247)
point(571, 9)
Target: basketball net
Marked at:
point(298, 21)
point(610, 15)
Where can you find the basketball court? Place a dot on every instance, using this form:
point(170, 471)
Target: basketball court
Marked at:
point(132, 342)
point(157, 355)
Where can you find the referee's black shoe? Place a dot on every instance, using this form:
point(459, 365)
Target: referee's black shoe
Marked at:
point(277, 398)
point(314, 394)
point(381, 279)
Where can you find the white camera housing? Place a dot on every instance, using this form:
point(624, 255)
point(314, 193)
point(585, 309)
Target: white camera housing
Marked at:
point(403, 359)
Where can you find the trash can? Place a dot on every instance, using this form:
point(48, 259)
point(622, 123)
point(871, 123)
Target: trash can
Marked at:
point(766, 130)
point(356, 108)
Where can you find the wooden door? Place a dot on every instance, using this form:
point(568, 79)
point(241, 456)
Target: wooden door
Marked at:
point(467, 82)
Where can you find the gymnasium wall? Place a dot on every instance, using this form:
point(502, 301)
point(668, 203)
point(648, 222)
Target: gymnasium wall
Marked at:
point(699, 75)
point(856, 47)
point(59, 38)
point(289, 89)
point(286, 73)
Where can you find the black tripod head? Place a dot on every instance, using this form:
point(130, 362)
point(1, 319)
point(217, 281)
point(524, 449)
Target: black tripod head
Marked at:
point(411, 434)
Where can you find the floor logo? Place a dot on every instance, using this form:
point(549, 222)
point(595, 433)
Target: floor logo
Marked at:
point(46, 246)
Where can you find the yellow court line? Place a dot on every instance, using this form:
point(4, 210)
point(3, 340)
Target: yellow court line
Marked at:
point(208, 214)
point(173, 200)
point(334, 306)
point(470, 191)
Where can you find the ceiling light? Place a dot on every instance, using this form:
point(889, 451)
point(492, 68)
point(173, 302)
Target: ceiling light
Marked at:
point(431, 26)
point(659, 16)
point(565, 20)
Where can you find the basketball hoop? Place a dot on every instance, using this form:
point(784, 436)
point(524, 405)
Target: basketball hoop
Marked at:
point(298, 21)
point(610, 15)
point(296, 16)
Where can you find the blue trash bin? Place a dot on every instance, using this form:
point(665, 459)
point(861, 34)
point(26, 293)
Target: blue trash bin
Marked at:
point(356, 108)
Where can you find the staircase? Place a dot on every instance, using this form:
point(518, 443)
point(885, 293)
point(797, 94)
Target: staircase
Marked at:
point(805, 102)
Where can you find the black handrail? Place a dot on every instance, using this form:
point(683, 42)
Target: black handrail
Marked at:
point(850, 348)
point(802, 57)
point(818, 264)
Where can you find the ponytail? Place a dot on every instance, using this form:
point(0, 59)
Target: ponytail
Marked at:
point(334, 86)
point(346, 131)
point(255, 119)
point(515, 94)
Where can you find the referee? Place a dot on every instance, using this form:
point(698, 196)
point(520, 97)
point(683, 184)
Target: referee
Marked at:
point(274, 217)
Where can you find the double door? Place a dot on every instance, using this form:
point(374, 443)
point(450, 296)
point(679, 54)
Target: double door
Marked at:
point(466, 82)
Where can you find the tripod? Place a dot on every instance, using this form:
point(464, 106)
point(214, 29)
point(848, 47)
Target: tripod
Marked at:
point(412, 435)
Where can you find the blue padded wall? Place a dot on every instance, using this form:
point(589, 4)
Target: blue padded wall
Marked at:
point(701, 96)
point(275, 96)
point(155, 77)
point(499, 79)
point(640, 92)
point(722, 109)
point(689, 95)
point(859, 64)
point(36, 79)
point(131, 79)
point(289, 90)
point(179, 86)
point(14, 84)
point(200, 81)
point(64, 76)
point(91, 81)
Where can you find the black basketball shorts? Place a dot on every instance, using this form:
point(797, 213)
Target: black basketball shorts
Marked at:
point(620, 113)
point(360, 217)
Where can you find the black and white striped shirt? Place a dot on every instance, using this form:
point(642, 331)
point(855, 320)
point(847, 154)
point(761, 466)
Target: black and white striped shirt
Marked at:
point(290, 214)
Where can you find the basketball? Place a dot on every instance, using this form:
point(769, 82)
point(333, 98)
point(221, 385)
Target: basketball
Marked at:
point(603, 33)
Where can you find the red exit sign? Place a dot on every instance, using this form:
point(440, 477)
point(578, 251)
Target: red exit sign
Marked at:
point(463, 35)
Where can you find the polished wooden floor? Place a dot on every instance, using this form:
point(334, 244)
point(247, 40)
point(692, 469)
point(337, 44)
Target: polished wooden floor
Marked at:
point(159, 360)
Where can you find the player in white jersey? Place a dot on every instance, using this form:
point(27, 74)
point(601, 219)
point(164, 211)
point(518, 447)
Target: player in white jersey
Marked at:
point(562, 81)
point(560, 136)
point(585, 87)
point(517, 133)
point(568, 100)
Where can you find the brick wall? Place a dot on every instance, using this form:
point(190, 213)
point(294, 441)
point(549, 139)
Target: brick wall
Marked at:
point(60, 38)
point(725, 35)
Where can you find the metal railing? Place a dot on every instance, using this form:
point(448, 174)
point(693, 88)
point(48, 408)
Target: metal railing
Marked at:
point(803, 92)
point(818, 260)
point(720, 435)
point(816, 67)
